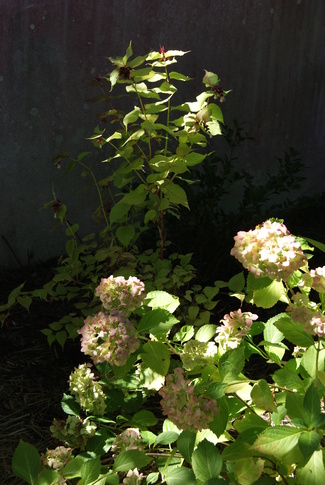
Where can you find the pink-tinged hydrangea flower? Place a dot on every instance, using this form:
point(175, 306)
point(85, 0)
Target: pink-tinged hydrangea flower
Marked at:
point(269, 251)
point(305, 312)
point(129, 439)
point(110, 338)
point(133, 477)
point(315, 279)
point(186, 410)
point(198, 354)
point(56, 458)
point(235, 327)
point(117, 293)
point(87, 391)
point(74, 432)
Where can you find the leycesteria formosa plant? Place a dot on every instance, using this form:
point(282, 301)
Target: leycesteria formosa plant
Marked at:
point(150, 146)
point(161, 401)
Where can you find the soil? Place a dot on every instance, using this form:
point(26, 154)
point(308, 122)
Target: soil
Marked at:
point(33, 376)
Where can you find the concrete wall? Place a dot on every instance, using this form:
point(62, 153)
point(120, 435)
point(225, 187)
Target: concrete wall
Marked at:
point(269, 52)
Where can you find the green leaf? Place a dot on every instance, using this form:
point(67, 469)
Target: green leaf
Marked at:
point(269, 296)
point(237, 282)
point(128, 460)
point(101, 442)
point(220, 421)
point(25, 301)
point(179, 476)
point(311, 408)
point(206, 332)
point(278, 441)
point(166, 438)
point(90, 471)
point(231, 364)
point(158, 322)
point(144, 419)
point(237, 451)
point(309, 442)
point(309, 359)
point(175, 194)
point(294, 406)
point(294, 332)
point(289, 379)
point(262, 396)
point(73, 468)
point(248, 470)
point(162, 299)
point(69, 405)
point(118, 212)
point(48, 477)
point(206, 461)
point(273, 335)
point(185, 444)
point(313, 472)
point(125, 234)
point(26, 462)
point(131, 117)
point(156, 357)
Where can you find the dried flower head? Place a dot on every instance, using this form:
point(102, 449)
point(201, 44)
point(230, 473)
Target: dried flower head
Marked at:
point(56, 458)
point(129, 439)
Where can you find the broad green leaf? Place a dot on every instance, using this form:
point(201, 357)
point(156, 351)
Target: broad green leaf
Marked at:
point(162, 299)
point(315, 243)
point(73, 468)
point(185, 444)
point(237, 451)
point(25, 301)
point(175, 194)
point(128, 460)
point(308, 361)
point(262, 396)
point(136, 196)
point(231, 364)
point(248, 470)
point(288, 379)
point(166, 438)
point(206, 332)
point(144, 418)
point(273, 335)
point(237, 282)
point(206, 461)
point(158, 322)
point(294, 332)
point(269, 296)
point(220, 421)
point(278, 441)
point(101, 442)
point(313, 472)
point(156, 357)
point(69, 405)
point(179, 476)
point(210, 79)
point(125, 234)
point(311, 408)
point(26, 462)
point(90, 471)
point(294, 406)
point(118, 212)
point(48, 477)
point(309, 442)
point(250, 422)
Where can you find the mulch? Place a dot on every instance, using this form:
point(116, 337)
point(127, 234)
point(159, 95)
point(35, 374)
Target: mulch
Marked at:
point(33, 376)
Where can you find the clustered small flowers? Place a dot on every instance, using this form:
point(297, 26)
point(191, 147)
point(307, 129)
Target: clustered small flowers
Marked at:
point(198, 354)
point(74, 432)
point(110, 338)
point(186, 410)
point(236, 326)
point(269, 251)
point(87, 391)
point(129, 439)
point(117, 293)
point(305, 312)
point(133, 477)
point(56, 458)
point(315, 279)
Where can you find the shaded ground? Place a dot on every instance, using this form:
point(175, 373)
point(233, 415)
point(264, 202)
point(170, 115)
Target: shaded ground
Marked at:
point(33, 377)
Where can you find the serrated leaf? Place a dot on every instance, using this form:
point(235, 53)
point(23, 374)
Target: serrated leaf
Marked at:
point(269, 296)
point(206, 461)
point(206, 332)
point(90, 471)
point(289, 379)
point(156, 357)
point(144, 419)
point(231, 364)
point(308, 442)
point(311, 408)
point(294, 332)
point(158, 322)
point(48, 477)
point(185, 444)
point(26, 462)
point(313, 472)
point(277, 441)
point(175, 194)
point(166, 437)
point(162, 299)
point(128, 460)
point(262, 396)
point(69, 405)
point(248, 470)
point(179, 476)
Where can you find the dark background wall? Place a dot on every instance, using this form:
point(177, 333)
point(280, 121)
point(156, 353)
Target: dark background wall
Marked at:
point(269, 52)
